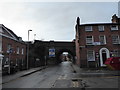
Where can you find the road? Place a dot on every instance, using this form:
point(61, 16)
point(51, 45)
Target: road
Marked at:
point(63, 76)
point(47, 78)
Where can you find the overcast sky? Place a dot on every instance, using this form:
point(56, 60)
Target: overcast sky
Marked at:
point(53, 20)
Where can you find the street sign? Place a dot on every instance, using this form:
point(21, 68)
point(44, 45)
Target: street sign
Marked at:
point(10, 50)
point(52, 52)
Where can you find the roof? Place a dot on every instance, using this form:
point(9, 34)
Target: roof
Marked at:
point(94, 24)
point(12, 34)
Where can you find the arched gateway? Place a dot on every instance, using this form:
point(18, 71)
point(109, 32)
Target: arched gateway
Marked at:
point(48, 52)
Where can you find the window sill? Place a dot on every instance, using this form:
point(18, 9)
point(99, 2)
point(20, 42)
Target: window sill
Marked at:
point(116, 44)
point(89, 45)
point(114, 30)
point(89, 31)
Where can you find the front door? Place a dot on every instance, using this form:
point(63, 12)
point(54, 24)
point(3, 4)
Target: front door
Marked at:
point(104, 56)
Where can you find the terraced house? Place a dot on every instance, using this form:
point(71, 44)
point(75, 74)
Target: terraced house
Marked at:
point(13, 49)
point(97, 42)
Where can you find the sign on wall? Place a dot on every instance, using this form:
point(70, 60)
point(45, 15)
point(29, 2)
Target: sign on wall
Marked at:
point(96, 43)
point(52, 52)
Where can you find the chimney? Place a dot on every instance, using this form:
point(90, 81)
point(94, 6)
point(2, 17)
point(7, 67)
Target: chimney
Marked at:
point(78, 21)
point(115, 19)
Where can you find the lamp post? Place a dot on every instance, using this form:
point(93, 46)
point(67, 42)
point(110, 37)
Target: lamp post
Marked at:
point(28, 49)
point(28, 34)
point(9, 53)
point(34, 36)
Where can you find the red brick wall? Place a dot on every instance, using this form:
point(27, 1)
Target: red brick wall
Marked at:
point(14, 55)
point(82, 52)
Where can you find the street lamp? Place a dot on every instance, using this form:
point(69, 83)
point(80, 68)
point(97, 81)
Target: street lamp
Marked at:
point(28, 34)
point(28, 49)
point(9, 52)
point(34, 36)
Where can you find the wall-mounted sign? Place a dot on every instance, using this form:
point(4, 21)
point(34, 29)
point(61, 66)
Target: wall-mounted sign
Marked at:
point(52, 52)
point(96, 43)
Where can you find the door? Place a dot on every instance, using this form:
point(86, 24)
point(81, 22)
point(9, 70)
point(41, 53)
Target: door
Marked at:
point(104, 56)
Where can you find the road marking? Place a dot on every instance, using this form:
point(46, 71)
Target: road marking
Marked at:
point(62, 77)
point(75, 84)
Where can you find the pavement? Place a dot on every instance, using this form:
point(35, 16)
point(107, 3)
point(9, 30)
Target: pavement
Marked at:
point(8, 78)
point(97, 78)
point(106, 70)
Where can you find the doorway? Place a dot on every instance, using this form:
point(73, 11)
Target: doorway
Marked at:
point(104, 54)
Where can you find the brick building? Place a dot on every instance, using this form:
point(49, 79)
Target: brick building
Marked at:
point(97, 42)
point(12, 48)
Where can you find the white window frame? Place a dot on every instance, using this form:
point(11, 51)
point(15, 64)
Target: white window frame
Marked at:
point(114, 28)
point(18, 50)
point(93, 55)
point(88, 28)
point(22, 51)
point(101, 28)
point(7, 61)
point(91, 41)
point(118, 39)
point(16, 62)
point(103, 41)
point(9, 46)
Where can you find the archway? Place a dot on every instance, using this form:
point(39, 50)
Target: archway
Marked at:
point(104, 54)
point(65, 55)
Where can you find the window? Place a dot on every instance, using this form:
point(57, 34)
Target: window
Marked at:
point(22, 51)
point(88, 28)
point(115, 39)
point(18, 50)
point(90, 55)
point(9, 48)
point(102, 40)
point(114, 27)
point(89, 40)
point(101, 28)
point(116, 53)
point(6, 61)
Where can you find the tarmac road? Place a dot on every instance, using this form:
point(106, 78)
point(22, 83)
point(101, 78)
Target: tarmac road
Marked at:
point(52, 77)
point(64, 76)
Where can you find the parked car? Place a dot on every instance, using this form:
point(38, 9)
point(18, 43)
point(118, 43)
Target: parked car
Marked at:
point(113, 63)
